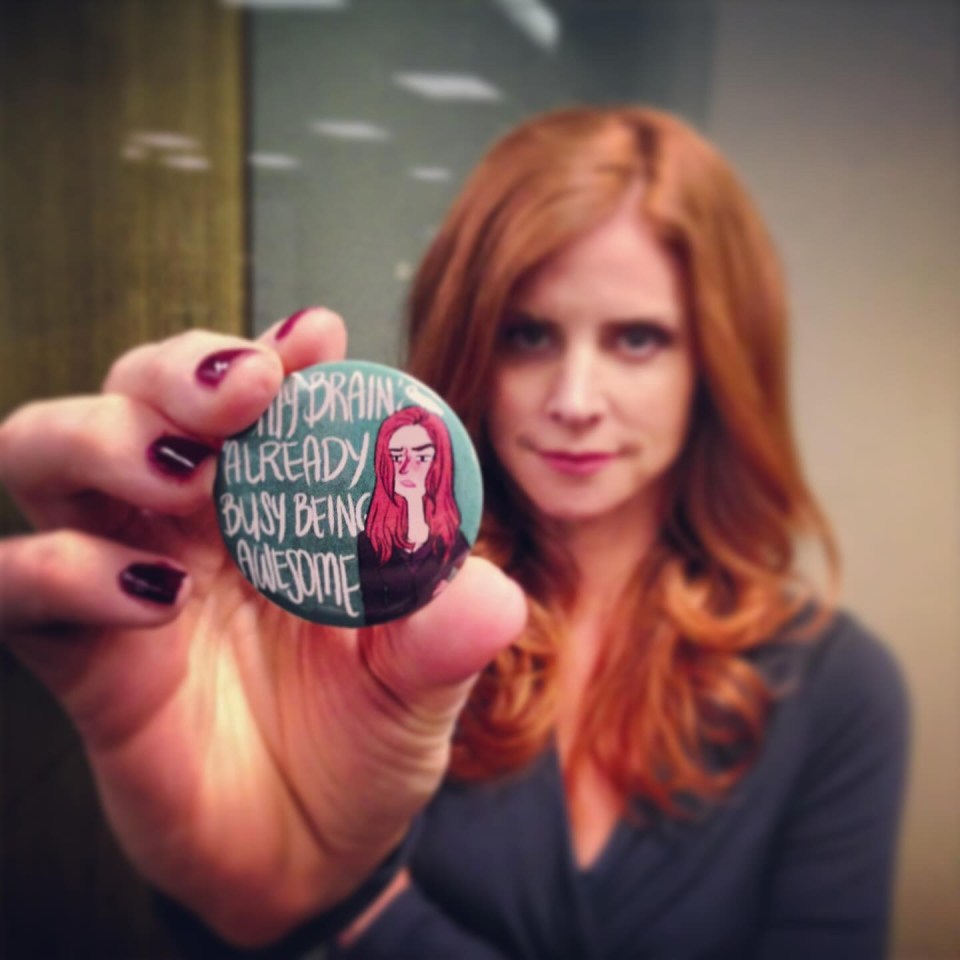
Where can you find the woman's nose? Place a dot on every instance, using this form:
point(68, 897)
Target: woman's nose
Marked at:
point(404, 462)
point(577, 394)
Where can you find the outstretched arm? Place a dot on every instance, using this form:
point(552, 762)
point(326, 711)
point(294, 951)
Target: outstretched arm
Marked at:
point(254, 767)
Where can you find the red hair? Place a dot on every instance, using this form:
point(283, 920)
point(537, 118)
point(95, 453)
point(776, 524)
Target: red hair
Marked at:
point(672, 687)
point(386, 523)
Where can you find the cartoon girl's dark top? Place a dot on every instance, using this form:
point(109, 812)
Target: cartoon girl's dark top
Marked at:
point(412, 540)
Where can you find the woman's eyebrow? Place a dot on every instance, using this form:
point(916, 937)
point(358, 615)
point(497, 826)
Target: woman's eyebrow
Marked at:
point(523, 316)
point(654, 314)
point(423, 446)
point(664, 318)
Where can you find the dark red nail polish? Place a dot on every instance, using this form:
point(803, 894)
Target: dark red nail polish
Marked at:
point(290, 323)
point(157, 582)
point(177, 456)
point(213, 369)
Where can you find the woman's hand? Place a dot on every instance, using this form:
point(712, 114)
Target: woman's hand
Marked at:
point(254, 766)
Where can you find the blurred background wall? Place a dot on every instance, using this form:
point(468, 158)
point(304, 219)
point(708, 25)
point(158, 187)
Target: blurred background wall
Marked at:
point(362, 117)
point(843, 117)
point(122, 219)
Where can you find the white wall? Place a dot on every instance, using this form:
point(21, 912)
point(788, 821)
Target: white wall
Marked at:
point(842, 117)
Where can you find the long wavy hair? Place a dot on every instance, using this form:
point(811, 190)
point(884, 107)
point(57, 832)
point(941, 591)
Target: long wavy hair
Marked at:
point(675, 707)
point(387, 519)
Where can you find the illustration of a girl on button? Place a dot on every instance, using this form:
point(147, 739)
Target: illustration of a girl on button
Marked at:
point(412, 540)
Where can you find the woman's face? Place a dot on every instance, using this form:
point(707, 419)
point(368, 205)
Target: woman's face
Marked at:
point(595, 376)
point(412, 452)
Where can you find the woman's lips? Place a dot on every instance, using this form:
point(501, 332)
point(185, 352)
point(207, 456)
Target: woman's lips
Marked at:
point(576, 464)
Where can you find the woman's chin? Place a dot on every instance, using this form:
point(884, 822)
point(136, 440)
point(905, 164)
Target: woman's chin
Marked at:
point(571, 513)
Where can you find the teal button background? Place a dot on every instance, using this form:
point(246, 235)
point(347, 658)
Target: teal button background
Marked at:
point(292, 491)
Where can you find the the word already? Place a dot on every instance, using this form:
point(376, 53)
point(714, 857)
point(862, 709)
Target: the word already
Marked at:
point(310, 459)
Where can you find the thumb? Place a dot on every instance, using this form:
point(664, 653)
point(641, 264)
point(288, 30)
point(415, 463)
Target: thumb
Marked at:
point(432, 657)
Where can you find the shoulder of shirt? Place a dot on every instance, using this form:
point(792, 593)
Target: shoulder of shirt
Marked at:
point(844, 674)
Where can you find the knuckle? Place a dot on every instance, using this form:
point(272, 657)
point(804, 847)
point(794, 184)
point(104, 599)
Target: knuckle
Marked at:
point(9, 432)
point(20, 428)
point(122, 369)
point(86, 433)
point(48, 559)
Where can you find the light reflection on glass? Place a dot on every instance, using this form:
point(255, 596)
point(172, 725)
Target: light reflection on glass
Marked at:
point(186, 161)
point(274, 161)
point(430, 174)
point(448, 86)
point(535, 20)
point(350, 130)
point(163, 140)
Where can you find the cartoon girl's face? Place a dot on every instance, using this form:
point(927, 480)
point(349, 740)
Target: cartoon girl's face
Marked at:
point(412, 452)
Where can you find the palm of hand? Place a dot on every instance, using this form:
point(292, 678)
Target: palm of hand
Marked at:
point(245, 726)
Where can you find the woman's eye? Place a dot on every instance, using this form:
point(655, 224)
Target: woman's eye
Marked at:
point(641, 339)
point(526, 336)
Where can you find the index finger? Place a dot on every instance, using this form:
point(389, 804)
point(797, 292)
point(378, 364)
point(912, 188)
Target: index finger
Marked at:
point(216, 385)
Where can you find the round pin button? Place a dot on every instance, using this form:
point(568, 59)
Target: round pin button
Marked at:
point(354, 498)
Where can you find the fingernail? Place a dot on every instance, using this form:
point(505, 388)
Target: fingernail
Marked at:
point(158, 582)
point(177, 456)
point(213, 369)
point(290, 323)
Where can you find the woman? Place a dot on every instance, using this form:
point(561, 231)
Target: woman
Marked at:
point(411, 539)
point(683, 752)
